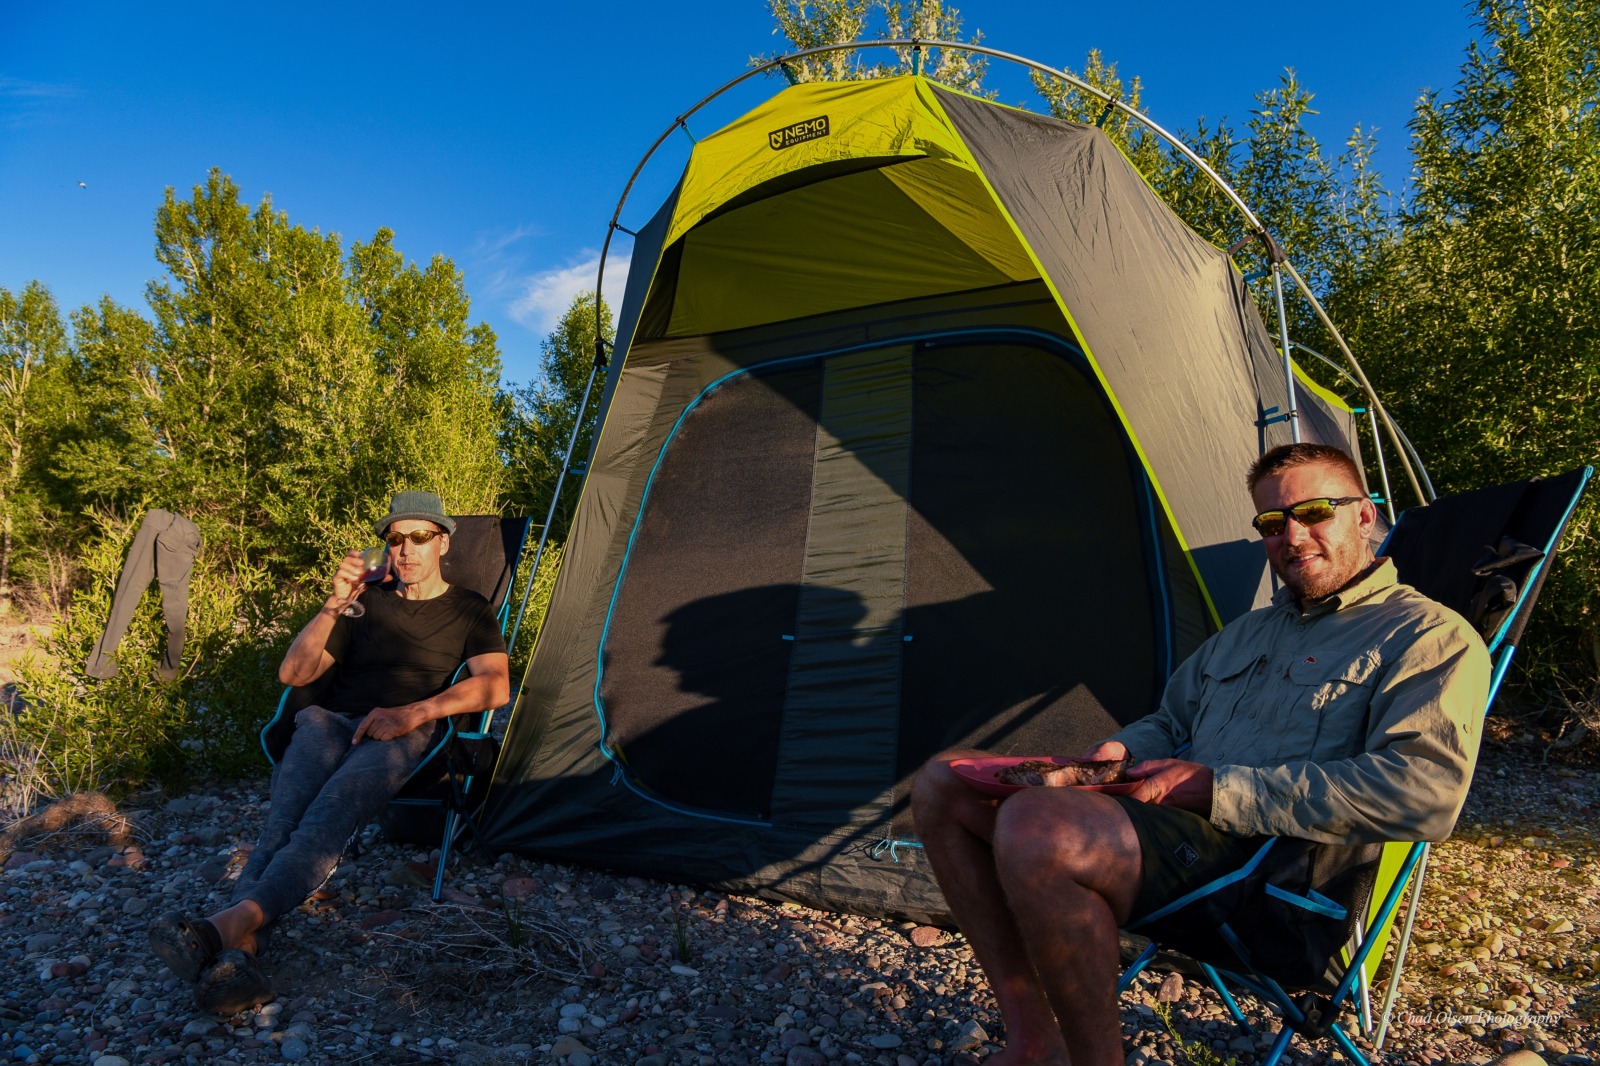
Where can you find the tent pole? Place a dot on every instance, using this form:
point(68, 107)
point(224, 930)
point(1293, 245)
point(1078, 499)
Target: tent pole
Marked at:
point(555, 498)
point(1288, 363)
point(1377, 441)
point(1383, 468)
point(781, 63)
point(1366, 386)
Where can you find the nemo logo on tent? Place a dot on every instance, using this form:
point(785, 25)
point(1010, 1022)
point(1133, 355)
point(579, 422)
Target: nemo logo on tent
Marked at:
point(799, 133)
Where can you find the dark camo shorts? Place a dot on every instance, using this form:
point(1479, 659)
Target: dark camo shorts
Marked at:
point(1182, 851)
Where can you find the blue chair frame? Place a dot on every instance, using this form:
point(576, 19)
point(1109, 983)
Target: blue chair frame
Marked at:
point(1535, 512)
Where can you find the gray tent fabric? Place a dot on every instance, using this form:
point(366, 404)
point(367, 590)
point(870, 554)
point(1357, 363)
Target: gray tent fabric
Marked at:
point(819, 545)
point(1154, 304)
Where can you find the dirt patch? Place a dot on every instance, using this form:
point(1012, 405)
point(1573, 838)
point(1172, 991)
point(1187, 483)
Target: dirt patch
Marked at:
point(18, 639)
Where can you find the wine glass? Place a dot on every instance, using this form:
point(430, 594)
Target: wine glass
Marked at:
point(374, 568)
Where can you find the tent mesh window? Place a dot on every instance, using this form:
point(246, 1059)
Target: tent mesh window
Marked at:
point(906, 549)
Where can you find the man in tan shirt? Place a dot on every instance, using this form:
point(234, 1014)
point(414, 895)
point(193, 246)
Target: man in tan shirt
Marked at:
point(1347, 711)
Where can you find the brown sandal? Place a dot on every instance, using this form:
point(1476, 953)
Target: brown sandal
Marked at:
point(187, 947)
point(233, 983)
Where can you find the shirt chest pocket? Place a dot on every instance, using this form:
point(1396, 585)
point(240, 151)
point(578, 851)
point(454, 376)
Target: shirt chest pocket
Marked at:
point(1224, 683)
point(1329, 703)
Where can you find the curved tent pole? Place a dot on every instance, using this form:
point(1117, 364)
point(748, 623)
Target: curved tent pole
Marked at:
point(1372, 417)
point(917, 44)
point(1404, 451)
point(1383, 468)
point(1253, 223)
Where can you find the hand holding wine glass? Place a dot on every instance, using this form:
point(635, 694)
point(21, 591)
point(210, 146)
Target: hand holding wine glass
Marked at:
point(370, 566)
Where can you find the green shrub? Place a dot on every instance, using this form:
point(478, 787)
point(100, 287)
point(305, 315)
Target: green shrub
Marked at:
point(112, 735)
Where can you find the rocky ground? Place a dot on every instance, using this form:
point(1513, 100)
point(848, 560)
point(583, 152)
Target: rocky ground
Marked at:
point(525, 962)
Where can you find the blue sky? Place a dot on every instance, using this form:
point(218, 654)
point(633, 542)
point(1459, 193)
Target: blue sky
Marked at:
point(502, 135)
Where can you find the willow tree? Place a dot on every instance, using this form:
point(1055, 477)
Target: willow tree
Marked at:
point(1482, 324)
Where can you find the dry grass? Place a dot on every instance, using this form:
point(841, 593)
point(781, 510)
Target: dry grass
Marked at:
point(68, 820)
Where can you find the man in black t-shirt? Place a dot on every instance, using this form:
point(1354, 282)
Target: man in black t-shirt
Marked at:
point(377, 718)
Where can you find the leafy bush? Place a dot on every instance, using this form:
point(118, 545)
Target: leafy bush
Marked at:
point(111, 735)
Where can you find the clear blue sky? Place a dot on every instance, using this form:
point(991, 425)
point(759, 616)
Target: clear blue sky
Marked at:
point(501, 135)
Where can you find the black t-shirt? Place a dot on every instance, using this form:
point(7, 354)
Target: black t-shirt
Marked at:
point(403, 650)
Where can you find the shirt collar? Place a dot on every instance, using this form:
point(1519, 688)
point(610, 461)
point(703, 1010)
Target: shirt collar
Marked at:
point(1378, 578)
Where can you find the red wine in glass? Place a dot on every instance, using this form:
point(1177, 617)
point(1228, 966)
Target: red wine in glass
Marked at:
point(374, 568)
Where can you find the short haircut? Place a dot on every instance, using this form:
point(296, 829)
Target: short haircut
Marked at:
point(1287, 456)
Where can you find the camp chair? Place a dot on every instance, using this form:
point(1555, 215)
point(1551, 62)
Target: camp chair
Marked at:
point(1485, 554)
point(483, 556)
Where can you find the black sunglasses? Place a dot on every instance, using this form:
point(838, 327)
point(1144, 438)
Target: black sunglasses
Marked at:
point(1306, 512)
point(416, 536)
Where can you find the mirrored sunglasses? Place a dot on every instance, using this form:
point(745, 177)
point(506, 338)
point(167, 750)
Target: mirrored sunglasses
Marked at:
point(416, 536)
point(1306, 512)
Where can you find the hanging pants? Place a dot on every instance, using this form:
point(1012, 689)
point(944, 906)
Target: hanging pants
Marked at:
point(164, 548)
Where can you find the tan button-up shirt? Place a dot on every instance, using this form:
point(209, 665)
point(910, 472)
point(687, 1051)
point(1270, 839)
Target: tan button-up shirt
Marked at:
point(1356, 720)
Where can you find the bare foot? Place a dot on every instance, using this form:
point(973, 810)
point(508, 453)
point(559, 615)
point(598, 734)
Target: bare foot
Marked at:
point(1048, 1051)
point(238, 924)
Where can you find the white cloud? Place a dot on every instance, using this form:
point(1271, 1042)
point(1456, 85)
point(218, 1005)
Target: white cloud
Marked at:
point(22, 102)
point(543, 298)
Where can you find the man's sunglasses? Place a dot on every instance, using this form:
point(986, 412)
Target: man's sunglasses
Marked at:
point(416, 536)
point(1306, 512)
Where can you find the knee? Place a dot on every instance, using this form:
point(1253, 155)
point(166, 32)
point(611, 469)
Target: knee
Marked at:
point(936, 786)
point(1036, 835)
point(307, 717)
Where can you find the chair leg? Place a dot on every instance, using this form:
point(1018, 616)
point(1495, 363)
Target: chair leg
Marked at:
point(1227, 997)
point(1136, 967)
point(1400, 949)
point(1363, 993)
point(1347, 1045)
point(1280, 1045)
point(444, 853)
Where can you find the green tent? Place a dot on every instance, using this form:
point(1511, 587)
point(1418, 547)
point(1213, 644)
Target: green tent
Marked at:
point(928, 427)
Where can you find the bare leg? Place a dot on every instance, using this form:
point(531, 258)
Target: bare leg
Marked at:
point(1070, 864)
point(956, 826)
point(237, 925)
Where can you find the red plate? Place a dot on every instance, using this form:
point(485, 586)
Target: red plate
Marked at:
point(980, 774)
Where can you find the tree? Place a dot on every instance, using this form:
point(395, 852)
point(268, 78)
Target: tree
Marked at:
point(280, 392)
point(296, 388)
point(33, 353)
point(1483, 321)
point(817, 23)
point(437, 375)
point(538, 418)
point(107, 449)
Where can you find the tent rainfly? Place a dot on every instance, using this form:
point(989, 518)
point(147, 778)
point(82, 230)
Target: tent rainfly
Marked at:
point(928, 427)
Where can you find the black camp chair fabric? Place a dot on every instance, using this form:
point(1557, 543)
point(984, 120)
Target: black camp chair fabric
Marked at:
point(444, 789)
point(1304, 901)
point(1479, 553)
point(1441, 549)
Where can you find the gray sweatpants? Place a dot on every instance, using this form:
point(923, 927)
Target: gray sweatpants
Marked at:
point(163, 548)
point(323, 791)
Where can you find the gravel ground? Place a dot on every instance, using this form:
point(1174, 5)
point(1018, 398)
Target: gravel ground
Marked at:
point(525, 962)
